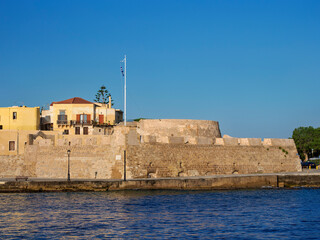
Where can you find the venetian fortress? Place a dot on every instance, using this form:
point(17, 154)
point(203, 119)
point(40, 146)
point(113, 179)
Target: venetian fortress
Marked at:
point(149, 148)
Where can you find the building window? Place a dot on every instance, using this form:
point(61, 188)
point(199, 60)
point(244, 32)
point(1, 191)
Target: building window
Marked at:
point(77, 129)
point(66, 132)
point(83, 118)
point(85, 131)
point(12, 145)
point(62, 117)
point(1, 127)
point(14, 115)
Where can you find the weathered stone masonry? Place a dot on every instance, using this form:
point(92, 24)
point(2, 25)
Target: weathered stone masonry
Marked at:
point(184, 148)
point(165, 160)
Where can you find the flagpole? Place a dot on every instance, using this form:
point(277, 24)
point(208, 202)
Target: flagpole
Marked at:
point(125, 90)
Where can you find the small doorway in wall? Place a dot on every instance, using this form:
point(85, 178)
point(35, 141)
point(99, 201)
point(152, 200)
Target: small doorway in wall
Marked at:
point(101, 119)
point(85, 131)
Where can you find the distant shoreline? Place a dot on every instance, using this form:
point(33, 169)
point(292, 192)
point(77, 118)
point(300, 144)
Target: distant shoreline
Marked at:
point(218, 182)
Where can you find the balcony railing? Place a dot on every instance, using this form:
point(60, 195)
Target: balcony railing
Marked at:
point(81, 122)
point(62, 119)
point(62, 122)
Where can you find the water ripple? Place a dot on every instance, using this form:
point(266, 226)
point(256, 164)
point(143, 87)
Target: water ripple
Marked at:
point(254, 214)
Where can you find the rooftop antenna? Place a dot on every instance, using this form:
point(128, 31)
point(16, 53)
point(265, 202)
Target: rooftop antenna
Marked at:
point(124, 74)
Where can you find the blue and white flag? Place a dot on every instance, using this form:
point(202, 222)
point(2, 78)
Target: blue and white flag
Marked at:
point(122, 72)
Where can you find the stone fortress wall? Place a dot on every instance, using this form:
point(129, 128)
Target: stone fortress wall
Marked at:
point(178, 131)
point(154, 149)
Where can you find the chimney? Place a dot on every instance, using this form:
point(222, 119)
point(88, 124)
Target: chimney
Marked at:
point(110, 105)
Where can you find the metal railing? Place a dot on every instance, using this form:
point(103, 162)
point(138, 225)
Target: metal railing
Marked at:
point(81, 122)
point(62, 119)
point(62, 122)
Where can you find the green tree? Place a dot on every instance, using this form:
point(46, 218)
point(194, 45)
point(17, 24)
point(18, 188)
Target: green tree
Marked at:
point(103, 95)
point(306, 139)
point(316, 142)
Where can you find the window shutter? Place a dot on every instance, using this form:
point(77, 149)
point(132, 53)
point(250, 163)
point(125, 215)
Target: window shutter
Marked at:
point(88, 118)
point(78, 118)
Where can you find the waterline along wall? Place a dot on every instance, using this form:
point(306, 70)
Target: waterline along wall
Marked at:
point(183, 148)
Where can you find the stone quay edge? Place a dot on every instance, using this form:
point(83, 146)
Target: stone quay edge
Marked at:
point(219, 182)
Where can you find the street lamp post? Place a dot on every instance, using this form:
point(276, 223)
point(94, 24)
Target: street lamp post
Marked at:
point(69, 151)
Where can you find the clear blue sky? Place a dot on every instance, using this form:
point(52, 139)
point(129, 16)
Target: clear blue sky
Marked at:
point(254, 66)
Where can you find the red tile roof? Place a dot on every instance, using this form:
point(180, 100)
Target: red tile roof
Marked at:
point(75, 100)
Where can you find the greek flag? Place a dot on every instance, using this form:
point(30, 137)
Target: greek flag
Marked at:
point(122, 72)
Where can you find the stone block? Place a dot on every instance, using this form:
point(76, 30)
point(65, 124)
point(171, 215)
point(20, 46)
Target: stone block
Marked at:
point(254, 141)
point(190, 140)
point(231, 141)
point(204, 141)
point(179, 128)
point(219, 141)
point(133, 138)
point(283, 142)
point(162, 139)
point(280, 142)
point(244, 141)
point(149, 139)
point(176, 140)
point(267, 142)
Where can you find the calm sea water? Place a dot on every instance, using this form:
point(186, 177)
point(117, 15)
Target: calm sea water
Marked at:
point(254, 214)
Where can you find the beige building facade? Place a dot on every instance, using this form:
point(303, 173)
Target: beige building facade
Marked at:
point(77, 116)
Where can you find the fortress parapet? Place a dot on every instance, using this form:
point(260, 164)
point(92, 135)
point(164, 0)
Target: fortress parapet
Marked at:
point(254, 142)
point(178, 131)
point(162, 129)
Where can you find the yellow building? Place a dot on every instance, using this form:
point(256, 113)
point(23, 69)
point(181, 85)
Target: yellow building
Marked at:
point(20, 118)
point(79, 116)
point(13, 142)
